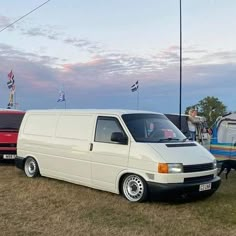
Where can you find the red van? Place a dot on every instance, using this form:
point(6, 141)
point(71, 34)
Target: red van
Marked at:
point(10, 121)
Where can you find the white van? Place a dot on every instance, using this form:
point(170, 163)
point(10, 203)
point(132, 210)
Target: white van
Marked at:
point(136, 153)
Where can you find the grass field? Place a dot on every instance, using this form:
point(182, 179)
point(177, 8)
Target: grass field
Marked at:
point(43, 206)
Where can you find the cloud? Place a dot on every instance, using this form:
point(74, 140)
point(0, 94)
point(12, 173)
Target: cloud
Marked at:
point(220, 57)
point(46, 31)
point(51, 33)
point(110, 68)
point(195, 51)
point(5, 21)
point(104, 81)
point(87, 45)
point(77, 42)
point(27, 66)
point(8, 53)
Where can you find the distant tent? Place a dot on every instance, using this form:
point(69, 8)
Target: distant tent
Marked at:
point(223, 141)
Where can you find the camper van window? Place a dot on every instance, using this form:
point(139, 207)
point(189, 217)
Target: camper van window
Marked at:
point(226, 132)
point(105, 127)
point(152, 128)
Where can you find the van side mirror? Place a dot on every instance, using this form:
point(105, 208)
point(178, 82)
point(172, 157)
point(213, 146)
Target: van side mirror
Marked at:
point(119, 137)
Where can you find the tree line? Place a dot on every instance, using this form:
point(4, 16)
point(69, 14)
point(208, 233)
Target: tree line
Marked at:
point(210, 108)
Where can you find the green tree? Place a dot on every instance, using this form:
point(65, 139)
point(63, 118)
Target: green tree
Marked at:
point(209, 107)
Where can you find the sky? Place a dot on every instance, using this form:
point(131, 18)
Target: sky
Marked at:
point(96, 50)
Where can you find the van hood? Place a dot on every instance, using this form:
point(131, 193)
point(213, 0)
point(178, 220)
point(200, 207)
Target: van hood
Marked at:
point(186, 153)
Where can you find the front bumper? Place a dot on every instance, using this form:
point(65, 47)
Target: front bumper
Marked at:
point(181, 190)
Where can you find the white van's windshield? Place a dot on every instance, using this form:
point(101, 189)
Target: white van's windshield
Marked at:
point(152, 128)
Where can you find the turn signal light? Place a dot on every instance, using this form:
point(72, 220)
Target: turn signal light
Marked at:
point(162, 168)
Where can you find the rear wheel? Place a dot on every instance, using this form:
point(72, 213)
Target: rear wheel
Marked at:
point(134, 188)
point(31, 167)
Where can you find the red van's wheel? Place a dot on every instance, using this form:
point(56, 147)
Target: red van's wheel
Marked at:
point(134, 188)
point(31, 167)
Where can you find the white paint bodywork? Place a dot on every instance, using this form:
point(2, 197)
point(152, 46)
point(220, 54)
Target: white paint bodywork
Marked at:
point(60, 141)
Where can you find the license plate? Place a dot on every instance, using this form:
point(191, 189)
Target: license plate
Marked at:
point(204, 187)
point(9, 156)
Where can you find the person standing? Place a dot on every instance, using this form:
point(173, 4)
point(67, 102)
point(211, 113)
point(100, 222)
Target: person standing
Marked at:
point(192, 123)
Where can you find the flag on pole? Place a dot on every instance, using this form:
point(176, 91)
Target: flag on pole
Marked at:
point(135, 86)
point(12, 87)
point(11, 75)
point(62, 97)
point(11, 81)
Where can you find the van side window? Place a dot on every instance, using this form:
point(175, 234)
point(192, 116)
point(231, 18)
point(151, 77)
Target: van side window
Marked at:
point(105, 127)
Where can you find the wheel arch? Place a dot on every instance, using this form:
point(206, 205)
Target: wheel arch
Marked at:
point(123, 174)
point(35, 158)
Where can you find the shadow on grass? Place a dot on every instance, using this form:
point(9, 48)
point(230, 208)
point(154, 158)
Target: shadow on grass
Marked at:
point(182, 199)
point(7, 162)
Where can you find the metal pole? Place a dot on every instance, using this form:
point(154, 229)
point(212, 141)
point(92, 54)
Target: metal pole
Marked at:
point(14, 99)
point(138, 99)
point(180, 62)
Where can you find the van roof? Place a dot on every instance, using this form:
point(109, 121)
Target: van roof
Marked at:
point(93, 111)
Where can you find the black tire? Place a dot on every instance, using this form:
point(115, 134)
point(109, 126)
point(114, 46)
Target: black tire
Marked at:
point(134, 188)
point(31, 167)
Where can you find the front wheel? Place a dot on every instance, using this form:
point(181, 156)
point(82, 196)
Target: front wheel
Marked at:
point(31, 167)
point(134, 188)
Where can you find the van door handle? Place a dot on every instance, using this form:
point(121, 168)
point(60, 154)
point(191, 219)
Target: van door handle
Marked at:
point(91, 147)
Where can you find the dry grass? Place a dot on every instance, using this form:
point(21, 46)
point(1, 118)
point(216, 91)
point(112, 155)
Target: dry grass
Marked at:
point(43, 206)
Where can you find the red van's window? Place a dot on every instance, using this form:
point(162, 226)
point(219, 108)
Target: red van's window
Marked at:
point(10, 121)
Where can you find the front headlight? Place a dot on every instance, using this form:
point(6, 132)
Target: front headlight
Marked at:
point(170, 168)
point(214, 164)
point(175, 168)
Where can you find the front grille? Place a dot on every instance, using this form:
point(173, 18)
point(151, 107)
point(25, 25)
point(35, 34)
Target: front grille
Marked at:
point(198, 179)
point(197, 168)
